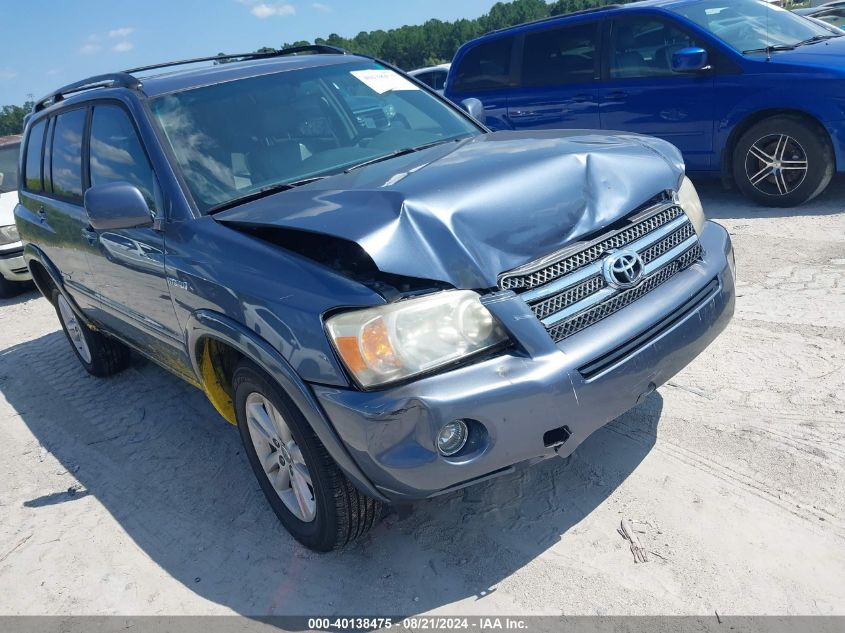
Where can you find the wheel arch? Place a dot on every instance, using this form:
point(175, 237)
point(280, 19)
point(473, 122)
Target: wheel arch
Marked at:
point(45, 275)
point(216, 343)
point(751, 120)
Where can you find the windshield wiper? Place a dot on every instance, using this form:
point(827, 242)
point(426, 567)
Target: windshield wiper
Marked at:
point(770, 49)
point(817, 38)
point(262, 193)
point(401, 152)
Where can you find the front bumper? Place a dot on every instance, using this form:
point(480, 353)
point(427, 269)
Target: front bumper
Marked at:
point(580, 384)
point(12, 264)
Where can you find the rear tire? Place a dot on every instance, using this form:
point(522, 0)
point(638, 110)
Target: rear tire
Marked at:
point(309, 493)
point(100, 355)
point(783, 161)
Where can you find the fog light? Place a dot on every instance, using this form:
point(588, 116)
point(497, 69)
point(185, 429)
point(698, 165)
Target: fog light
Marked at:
point(452, 437)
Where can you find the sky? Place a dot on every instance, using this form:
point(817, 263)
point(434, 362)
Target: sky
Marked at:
point(45, 44)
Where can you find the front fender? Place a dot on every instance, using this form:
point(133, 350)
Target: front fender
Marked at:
point(204, 324)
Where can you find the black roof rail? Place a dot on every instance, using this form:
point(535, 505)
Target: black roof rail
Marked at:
point(320, 49)
point(552, 18)
point(111, 80)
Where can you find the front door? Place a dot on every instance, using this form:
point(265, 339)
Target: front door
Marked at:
point(557, 82)
point(642, 94)
point(128, 264)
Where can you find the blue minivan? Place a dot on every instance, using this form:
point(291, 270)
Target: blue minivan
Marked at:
point(744, 89)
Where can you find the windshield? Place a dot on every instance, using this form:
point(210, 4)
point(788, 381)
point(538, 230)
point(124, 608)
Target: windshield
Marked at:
point(751, 26)
point(9, 168)
point(234, 140)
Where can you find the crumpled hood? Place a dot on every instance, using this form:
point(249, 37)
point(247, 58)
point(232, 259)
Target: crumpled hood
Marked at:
point(462, 213)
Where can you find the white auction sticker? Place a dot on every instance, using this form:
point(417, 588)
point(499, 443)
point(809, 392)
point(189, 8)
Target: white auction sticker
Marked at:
point(383, 80)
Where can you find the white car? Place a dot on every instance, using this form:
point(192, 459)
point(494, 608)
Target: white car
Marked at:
point(13, 269)
point(432, 76)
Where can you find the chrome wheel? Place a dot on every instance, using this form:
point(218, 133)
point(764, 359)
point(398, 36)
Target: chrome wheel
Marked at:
point(74, 329)
point(776, 165)
point(280, 457)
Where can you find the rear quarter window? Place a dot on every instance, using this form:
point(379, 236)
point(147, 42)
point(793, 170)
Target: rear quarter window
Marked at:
point(32, 168)
point(66, 168)
point(486, 66)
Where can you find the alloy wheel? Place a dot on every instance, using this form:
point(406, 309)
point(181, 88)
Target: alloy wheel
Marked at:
point(776, 165)
point(280, 457)
point(74, 329)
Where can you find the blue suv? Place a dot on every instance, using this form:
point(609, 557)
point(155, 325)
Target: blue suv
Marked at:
point(388, 300)
point(744, 89)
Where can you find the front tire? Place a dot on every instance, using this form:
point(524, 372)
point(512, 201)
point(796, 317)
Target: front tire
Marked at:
point(310, 495)
point(783, 161)
point(100, 355)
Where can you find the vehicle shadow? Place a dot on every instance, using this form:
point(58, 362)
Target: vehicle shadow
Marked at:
point(722, 204)
point(27, 293)
point(171, 471)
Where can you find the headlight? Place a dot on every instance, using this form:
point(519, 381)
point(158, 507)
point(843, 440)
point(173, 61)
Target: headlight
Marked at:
point(691, 203)
point(9, 234)
point(399, 340)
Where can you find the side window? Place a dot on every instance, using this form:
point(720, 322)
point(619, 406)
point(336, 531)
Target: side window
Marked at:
point(116, 153)
point(438, 80)
point(426, 78)
point(485, 67)
point(643, 47)
point(66, 168)
point(48, 181)
point(563, 55)
point(32, 169)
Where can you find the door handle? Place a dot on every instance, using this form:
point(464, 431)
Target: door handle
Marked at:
point(522, 114)
point(582, 97)
point(90, 235)
point(617, 95)
point(42, 214)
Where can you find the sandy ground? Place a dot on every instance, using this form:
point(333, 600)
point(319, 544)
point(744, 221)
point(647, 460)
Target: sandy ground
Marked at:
point(131, 496)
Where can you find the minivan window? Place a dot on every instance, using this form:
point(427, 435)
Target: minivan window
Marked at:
point(643, 47)
point(562, 55)
point(9, 167)
point(66, 170)
point(116, 153)
point(486, 66)
point(243, 138)
point(45, 163)
point(32, 169)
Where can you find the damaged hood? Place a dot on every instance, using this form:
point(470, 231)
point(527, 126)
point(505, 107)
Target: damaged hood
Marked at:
point(462, 213)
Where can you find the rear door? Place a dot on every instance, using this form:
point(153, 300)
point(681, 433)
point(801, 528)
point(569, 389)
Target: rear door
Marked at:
point(52, 199)
point(128, 264)
point(557, 81)
point(640, 92)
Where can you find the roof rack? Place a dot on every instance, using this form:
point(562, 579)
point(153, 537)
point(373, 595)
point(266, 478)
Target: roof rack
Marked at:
point(317, 49)
point(125, 79)
point(552, 18)
point(111, 80)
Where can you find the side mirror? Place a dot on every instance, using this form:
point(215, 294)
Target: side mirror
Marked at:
point(2, 176)
point(475, 109)
point(690, 60)
point(117, 205)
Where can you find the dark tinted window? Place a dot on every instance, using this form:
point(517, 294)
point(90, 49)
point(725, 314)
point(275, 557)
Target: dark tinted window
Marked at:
point(643, 47)
point(9, 167)
point(438, 80)
point(48, 182)
point(426, 78)
point(67, 155)
point(560, 56)
point(485, 67)
point(116, 152)
point(32, 169)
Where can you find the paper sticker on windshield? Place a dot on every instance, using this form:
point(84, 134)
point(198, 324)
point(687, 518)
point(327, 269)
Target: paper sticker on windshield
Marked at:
point(382, 81)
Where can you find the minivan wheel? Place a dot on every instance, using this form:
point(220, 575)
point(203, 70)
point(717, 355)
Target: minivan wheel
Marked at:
point(783, 161)
point(99, 354)
point(310, 495)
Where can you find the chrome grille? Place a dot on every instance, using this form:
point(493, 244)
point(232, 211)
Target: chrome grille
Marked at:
point(606, 308)
point(569, 293)
point(528, 280)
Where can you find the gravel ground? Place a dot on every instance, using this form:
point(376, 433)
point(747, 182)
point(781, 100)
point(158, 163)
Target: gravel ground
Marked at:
point(131, 496)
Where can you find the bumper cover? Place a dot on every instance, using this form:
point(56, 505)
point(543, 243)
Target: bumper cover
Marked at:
point(581, 383)
point(12, 264)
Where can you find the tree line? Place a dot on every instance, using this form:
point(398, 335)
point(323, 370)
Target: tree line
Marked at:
point(408, 47)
